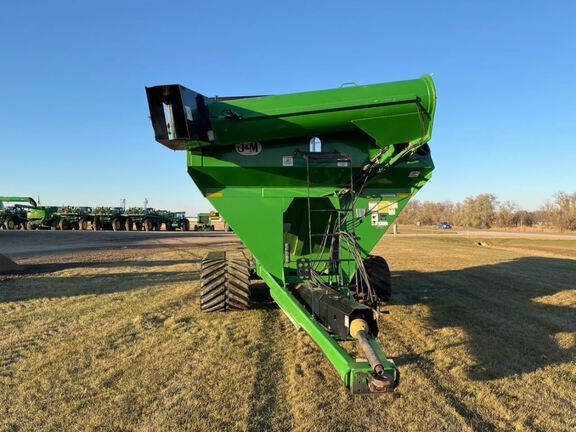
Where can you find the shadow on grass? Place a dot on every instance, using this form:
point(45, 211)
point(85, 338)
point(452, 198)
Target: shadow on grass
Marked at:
point(49, 287)
point(508, 331)
point(54, 267)
point(260, 297)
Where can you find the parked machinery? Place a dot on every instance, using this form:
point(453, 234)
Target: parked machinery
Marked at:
point(178, 220)
point(13, 215)
point(107, 218)
point(203, 222)
point(43, 217)
point(139, 218)
point(218, 222)
point(165, 219)
point(326, 173)
point(74, 218)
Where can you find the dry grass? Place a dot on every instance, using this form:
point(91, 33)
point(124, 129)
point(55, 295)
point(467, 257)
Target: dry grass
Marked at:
point(561, 248)
point(484, 337)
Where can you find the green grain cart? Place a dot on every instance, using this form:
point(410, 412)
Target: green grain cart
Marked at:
point(309, 182)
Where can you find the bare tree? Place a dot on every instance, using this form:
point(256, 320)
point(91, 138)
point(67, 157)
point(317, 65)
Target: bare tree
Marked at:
point(479, 211)
point(505, 215)
point(523, 218)
point(484, 211)
point(564, 211)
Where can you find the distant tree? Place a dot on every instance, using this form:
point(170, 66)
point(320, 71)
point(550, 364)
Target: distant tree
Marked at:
point(411, 212)
point(505, 215)
point(523, 218)
point(545, 215)
point(564, 211)
point(484, 211)
point(479, 211)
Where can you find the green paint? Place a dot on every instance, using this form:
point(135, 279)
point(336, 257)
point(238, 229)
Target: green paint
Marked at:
point(252, 166)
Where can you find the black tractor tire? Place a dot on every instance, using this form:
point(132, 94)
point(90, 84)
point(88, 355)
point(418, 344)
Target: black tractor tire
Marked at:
point(138, 226)
point(147, 225)
point(225, 283)
point(186, 226)
point(54, 226)
point(82, 224)
point(10, 224)
point(75, 226)
point(97, 224)
point(196, 228)
point(29, 226)
point(129, 224)
point(379, 275)
point(63, 225)
point(116, 224)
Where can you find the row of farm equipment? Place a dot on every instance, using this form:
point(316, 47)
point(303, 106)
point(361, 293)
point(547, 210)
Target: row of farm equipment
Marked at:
point(24, 213)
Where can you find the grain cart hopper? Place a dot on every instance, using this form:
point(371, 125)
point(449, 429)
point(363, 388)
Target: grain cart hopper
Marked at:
point(309, 182)
point(15, 216)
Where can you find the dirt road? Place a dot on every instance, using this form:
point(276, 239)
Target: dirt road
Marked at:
point(29, 243)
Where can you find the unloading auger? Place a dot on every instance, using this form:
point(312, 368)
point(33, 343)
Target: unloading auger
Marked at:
point(309, 182)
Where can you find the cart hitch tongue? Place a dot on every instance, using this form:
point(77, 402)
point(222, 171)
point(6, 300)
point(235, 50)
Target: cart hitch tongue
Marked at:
point(378, 381)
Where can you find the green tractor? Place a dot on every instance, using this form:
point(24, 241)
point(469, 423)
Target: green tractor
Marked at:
point(74, 218)
point(327, 172)
point(177, 221)
point(108, 218)
point(15, 215)
point(203, 222)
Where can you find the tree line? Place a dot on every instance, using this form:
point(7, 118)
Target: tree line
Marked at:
point(486, 211)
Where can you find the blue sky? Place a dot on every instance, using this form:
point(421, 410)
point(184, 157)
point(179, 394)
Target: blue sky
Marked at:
point(74, 124)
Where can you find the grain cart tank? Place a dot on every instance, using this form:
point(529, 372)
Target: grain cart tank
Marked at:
point(309, 182)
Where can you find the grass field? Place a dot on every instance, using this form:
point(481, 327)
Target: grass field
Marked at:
point(485, 337)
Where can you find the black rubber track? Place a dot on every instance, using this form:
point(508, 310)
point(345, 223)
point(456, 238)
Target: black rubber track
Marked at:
point(225, 285)
point(379, 276)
